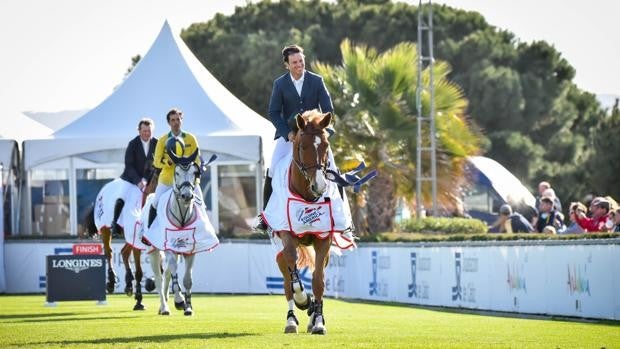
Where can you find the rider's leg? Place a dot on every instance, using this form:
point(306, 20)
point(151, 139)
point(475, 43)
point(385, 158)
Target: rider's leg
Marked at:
point(280, 151)
point(118, 208)
point(161, 188)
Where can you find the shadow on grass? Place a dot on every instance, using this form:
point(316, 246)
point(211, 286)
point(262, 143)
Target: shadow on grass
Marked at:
point(52, 319)
point(37, 315)
point(145, 339)
point(479, 312)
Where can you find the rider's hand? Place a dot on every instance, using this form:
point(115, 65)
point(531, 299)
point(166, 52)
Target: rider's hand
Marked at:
point(142, 184)
point(291, 136)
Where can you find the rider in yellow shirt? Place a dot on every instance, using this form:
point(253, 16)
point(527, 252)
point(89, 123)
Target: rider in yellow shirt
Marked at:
point(163, 163)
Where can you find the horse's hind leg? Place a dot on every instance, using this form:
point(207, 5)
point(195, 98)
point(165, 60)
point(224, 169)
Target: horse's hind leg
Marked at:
point(126, 254)
point(316, 324)
point(287, 260)
point(139, 274)
point(106, 238)
point(187, 283)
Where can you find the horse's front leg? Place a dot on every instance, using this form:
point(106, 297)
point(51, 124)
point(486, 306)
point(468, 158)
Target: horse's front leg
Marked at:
point(106, 238)
point(187, 283)
point(139, 274)
point(287, 263)
point(156, 261)
point(316, 324)
point(172, 268)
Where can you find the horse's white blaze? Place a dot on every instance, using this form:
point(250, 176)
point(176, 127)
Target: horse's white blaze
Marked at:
point(319, 179)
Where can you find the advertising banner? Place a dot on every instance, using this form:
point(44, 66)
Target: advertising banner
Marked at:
point(581, 280)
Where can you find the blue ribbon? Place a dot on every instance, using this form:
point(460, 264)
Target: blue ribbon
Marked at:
point(351, 178)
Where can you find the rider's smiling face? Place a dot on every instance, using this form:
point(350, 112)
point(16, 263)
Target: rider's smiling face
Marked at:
point(296, 65)
point(175, 123)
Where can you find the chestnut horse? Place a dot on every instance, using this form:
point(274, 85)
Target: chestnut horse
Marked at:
point(307, 179)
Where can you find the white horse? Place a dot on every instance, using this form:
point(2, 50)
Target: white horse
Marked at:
point(181, 228)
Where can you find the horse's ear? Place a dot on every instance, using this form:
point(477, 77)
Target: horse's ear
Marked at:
point(327, 119)
point(301, 122)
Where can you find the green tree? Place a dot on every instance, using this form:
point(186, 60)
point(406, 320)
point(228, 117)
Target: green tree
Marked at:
point(375, 99)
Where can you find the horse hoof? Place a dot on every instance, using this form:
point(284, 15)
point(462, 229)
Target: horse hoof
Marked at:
point(139, 307)
point(179, 305)
point(290, 329)
point(109, 287)
point(129, 291)
point(188, 312)
point(164, 312)
point(319, 330)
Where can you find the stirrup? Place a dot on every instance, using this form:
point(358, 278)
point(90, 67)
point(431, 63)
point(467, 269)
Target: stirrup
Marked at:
point(260, 226)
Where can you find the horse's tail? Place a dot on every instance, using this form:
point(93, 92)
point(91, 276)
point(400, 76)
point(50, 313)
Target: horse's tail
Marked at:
point(305, 257)
point(90, 228)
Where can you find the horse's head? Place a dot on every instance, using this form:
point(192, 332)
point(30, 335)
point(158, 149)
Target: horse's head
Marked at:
point(310, 152)
point(185, 170)
point(184, 179)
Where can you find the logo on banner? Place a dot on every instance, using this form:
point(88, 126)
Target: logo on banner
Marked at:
point(578, 283)
point(377, 288)
point(76, 265)
point(413, 292)
point(418, 289)
point(457, 290)
point(515, 278)
point(309, 214)
point(336, 283)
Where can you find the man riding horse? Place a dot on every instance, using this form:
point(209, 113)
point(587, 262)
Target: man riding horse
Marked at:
point(294, 93)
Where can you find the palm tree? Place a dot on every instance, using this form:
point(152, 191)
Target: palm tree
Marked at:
point(374, 97)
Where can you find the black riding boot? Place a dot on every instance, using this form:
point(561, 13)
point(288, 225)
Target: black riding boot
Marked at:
point(152, 215)
point(260, 225)
point(118, 208)
point(267, 190)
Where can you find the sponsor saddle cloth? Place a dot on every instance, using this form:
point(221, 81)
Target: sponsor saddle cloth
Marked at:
point(129, 218)
point(197, 236)
point(328, 216)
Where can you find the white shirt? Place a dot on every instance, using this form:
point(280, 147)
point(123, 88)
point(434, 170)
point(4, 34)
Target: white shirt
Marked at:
point(298, 83)
point(145, 146)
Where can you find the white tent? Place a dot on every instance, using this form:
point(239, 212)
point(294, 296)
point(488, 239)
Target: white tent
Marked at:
point(9, 171)
point(168, 76)
point(19, 127)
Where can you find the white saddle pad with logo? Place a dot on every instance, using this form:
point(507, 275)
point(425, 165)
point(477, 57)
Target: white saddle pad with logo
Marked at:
point(286, 211)
point(197, 236)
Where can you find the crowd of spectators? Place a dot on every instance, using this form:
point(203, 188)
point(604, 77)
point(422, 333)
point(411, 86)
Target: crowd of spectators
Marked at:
point(599, 214)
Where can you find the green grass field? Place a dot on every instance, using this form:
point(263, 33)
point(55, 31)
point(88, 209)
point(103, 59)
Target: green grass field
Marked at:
point(258, 322)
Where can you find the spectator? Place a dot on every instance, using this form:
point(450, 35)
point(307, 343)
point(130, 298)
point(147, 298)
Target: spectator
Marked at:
point(574, 228)
point(511, 222)
point(550, 229)
point(548, 216)
point(616, 228)
point(557, 205)
point(600, 214)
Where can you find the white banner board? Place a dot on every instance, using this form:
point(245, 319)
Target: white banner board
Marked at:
point(581, 280)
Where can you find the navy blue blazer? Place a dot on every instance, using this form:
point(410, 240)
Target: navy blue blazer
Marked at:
point(137, 165)
point(285, 102)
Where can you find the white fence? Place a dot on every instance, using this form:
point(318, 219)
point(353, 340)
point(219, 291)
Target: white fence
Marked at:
point(578, 278)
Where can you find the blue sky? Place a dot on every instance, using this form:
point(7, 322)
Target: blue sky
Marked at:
point(70, 54)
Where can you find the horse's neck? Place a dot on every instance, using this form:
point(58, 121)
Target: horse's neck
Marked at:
point(180, 214)
point(298, 183)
